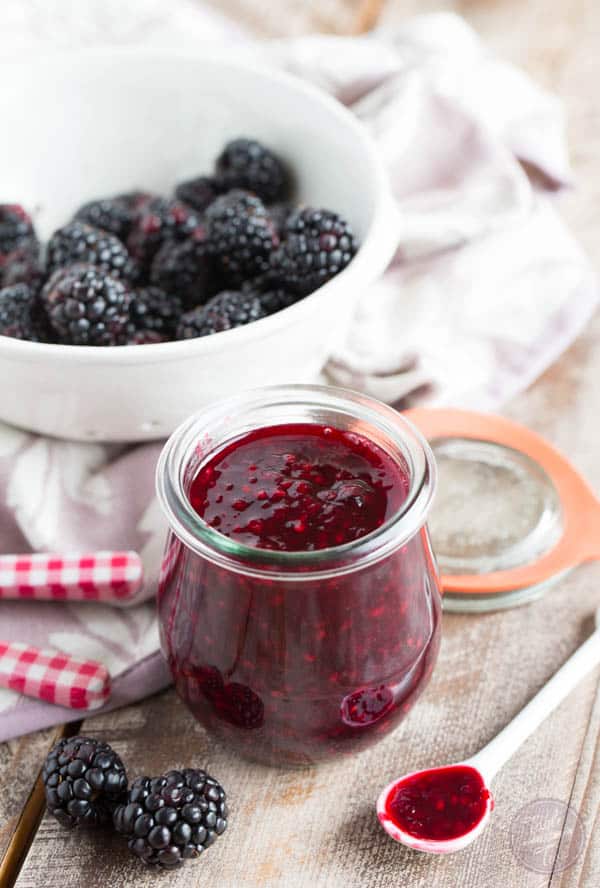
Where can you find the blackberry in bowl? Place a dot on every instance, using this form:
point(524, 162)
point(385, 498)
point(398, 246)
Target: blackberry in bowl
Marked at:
point(183, 156)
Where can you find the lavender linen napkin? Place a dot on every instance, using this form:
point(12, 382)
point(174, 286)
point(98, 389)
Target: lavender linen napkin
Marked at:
point(486, 289)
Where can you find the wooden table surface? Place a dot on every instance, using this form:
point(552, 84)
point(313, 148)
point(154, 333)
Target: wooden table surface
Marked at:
point(317, 827)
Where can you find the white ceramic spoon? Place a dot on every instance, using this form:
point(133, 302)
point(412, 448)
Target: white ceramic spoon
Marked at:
point(492, 757)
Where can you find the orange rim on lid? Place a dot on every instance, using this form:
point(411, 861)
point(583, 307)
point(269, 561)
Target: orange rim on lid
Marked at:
point(579, 539)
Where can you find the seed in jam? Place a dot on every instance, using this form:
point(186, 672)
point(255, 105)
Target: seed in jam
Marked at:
point(299, 487)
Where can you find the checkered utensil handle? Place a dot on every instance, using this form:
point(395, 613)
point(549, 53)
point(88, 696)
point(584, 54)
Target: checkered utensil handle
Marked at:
point(111, 577)
point(53, 676)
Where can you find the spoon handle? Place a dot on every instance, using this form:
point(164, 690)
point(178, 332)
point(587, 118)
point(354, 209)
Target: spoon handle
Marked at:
point(491, 758)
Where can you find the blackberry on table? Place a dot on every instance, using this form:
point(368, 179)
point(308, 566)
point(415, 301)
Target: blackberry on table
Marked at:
point(79, 242)
point(247, 164)
point(172, 818)
point(185, 270)
point(16, 230)
point(241, 235)
point(84, 780)
point(18, 313)
point(317, 245)
point(226, 310)
point(200, 192)
point(86, 306)
point(153, 310)
point(157, 221)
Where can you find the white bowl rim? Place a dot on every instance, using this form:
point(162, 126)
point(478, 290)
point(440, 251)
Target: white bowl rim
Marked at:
point(184, 348)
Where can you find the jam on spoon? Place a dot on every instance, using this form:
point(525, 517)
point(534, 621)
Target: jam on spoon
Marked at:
point(444, 809)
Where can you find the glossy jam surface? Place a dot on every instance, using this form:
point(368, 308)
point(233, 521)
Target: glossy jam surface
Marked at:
point(442, 803)
point(297, 488)
point(287, 667)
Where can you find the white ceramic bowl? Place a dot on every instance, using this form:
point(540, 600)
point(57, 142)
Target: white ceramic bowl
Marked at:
point(93, 123)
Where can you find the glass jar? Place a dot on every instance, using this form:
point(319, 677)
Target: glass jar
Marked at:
point(296, 657)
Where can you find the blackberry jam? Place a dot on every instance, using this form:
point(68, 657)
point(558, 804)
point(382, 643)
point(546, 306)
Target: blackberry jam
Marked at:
point(299, 607)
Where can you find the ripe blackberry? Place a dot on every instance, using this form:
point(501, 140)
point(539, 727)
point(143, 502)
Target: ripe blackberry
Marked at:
point(84, 780)
point(157, 221)
point(172, 818)
point(110, 214)
point(199, 193)
point(16, 230)
point(226, 310)
point(241, 234)
point(22, 266)
point(144, 337)
point(185, 270)
point(17, 313)
point(153, 310)
point(245, 163)
point(280, 213)
point(275, 299)
point(317, 245)
point(86, 306)
point(79, 243)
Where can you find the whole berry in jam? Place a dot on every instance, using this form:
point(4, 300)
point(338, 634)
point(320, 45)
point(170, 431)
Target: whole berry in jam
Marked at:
point(158, 221)
point(241, 234)
point(86, 306)
point(316, 246)
point(225, 311)
point(113, 214)
point(199, 193)
point(185, 270)
point(366, 706)
point(172, 818)
point(17, 313)
point(153, 310)
point(78, 243)
point(298, 487)
point(84, 780)
point(247, 164)
point(16, 230)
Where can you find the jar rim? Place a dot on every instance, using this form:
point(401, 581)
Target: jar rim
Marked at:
point(196, 534)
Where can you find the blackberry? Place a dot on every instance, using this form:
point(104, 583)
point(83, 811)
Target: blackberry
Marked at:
point(16, 230)
point(144, 337)
point(22, 266)
point(245, 163)
point(172, 818)
point(280, 213)
point(276, 299)
point(198, 193)
point(79, 243)
point(185, 270)
point(157, 221)
point(241, 234)
point(86, 306)
point(110, 214)
point(84, 780)
point(317, 245)
point(226, 310)
point(153, 310)
point(17, 313)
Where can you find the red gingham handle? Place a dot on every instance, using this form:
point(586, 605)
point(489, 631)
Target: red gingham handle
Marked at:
point(111, 577)
point(53, 676)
